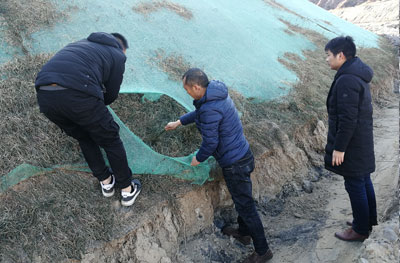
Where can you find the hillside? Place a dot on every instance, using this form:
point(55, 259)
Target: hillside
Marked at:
point(380, 17)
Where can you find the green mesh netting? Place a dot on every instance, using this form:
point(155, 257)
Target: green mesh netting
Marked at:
point(238, 42)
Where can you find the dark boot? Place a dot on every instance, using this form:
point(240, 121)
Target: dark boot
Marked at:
point(230, 231)
point(255, 258)
point(350, 235)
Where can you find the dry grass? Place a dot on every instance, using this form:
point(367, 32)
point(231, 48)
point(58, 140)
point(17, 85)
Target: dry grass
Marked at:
point(52, 217)
point(21, 18)
point(173, 64)
point(27, 136)
point(147, 120)
point(59, 215)
point(151, 7)
point(273, 3)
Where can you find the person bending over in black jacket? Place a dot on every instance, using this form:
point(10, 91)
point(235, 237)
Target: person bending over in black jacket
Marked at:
point(73, 89)
point(350, 145)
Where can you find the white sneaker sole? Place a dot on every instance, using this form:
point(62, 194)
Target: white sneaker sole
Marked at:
point(130, 202)
point(108, 194)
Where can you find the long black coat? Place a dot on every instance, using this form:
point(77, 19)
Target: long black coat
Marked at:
point(350, 120)
point(94, 66)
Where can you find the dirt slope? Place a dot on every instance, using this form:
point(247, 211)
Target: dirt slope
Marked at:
point(300, 226)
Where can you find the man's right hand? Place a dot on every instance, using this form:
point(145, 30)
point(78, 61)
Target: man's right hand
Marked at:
point(173, 125)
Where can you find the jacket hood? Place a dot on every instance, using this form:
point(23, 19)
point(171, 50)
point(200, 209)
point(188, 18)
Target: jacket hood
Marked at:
point(356, 67)
point(104, 39)
point(216, 90)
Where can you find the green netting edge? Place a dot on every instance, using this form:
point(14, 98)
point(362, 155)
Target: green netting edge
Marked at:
point(141, 159)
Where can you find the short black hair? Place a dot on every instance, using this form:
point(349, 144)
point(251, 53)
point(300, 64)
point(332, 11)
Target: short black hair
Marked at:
point(122, 40)
point(342, 44)
point(195, 76)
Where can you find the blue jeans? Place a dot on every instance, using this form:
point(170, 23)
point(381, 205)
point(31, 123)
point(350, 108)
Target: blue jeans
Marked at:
point(363, 202)
point(237, 178)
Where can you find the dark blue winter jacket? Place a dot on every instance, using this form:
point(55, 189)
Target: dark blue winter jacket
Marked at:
point(218, 122)
point(350, 120)
point(94, 66)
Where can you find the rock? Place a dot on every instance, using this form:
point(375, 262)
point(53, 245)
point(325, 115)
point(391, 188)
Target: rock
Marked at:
point(165, 260)
point(297, 215)
point(307, 186)
point(389, 234)
point(362, 260)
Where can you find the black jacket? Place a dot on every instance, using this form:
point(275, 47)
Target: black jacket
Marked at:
point(94, 66)
point(350, 120)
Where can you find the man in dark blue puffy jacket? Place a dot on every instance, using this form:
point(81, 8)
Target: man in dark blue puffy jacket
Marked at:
point(218, 122)
point(73, 89)
point(350, 145)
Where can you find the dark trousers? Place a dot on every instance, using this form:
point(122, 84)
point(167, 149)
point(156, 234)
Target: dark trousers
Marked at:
point(237, 178)
point(87, 119)
point(363, 202)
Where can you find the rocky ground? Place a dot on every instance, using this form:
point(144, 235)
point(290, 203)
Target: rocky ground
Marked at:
point(300, 222)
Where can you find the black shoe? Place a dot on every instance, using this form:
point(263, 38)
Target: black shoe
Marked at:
point(129, 198)
point(108, 189)
point(230, 231)
point(255, 258)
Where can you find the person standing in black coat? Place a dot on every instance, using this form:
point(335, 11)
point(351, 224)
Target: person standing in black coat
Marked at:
point(73, 89)
point(350, 145)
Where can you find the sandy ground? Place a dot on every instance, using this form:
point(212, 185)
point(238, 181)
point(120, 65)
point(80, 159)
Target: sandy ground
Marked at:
point(300, 226)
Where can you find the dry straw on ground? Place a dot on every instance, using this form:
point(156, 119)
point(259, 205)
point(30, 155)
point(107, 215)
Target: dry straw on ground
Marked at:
point(27, 136)
point(21, 18)
point(173, 64)
point(150, 7)
point(147, 120)
point(58, 215)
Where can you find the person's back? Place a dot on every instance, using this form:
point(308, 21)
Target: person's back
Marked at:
point(73, 89)
point(217, 106)
point(86, 66)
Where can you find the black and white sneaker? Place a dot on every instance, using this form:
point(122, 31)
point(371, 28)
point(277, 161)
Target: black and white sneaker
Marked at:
point(129, 198)
point(108, 189)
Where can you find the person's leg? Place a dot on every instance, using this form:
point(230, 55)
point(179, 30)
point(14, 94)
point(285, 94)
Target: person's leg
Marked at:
point(373, 218)
point(52, 106)
point(87, 119)
point(243, 229)
point(355, 187)
point(237, 178)
point(105, 133)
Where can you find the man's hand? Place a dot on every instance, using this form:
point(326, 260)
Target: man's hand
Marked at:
point(172, 125)
point(194, 161)
point(337, 158)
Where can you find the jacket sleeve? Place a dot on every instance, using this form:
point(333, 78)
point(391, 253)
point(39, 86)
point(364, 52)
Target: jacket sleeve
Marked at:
point(209, 121)
point(348, 96)
point(113, 84)
point(188, 118)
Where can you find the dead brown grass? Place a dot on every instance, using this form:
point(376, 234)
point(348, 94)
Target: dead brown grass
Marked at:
point(59, 215)
point(150, 7)
point(147, 120)
point(27, 136)
point(175, 65)
point(24, 17)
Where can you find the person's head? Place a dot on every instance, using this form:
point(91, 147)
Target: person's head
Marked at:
point(195, 82)
point(339, 50)
point(122, 40)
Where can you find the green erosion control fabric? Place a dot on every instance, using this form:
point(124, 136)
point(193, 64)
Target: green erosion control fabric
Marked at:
point(238, 42)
